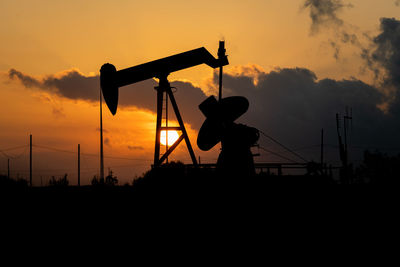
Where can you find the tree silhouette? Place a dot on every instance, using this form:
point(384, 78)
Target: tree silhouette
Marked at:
point(379, 168)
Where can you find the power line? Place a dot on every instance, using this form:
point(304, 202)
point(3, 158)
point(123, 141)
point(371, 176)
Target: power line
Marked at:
point(374, 147)
point(2, 151)
point(13, 148)
point(15, 157)
point(303, 148)
point(307, 147)
point(5, 155)
point(288, 149)
point(112, 157)
point(88, 154)
point(55, 149)
point(276, 154)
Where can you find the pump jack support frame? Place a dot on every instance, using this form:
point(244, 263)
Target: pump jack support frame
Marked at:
point(164, 86)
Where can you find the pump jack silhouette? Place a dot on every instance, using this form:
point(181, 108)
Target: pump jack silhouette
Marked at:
point(235, 158)
point(111, 80)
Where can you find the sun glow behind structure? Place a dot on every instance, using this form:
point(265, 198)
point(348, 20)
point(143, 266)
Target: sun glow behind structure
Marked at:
point(172, 137)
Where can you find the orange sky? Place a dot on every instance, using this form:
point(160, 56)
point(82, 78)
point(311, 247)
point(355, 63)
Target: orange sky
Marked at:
point(45, 37)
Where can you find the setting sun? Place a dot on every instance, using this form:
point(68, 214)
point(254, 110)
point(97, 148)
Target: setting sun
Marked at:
point(172, 137)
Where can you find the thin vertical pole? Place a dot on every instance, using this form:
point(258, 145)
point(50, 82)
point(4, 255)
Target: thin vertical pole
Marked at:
point(221, 54)
point(345, 165)
point(8, 168)
point(160, 95)
point(101, 141)
point(79, 165)
point(220, 83)
point(166, 124)
point(322, 147)
point(345, 137)
point(30, 160)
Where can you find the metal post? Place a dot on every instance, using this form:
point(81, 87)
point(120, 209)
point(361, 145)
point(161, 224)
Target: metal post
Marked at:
point(30, 160)
point(341, 152)
point(346, 165)
point(101, 141)
point(345, 140)
point(79, 165)
point(160, 95)
point(221, 54)
point(166, 124)
point(180, 121)
point(322, 147)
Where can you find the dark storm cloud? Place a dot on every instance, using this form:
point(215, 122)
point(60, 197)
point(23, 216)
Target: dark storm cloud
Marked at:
point(71, 84)
point(324, 13)
point(293, 106)
point(383, 57)
point(74, 85)
point(26, 80)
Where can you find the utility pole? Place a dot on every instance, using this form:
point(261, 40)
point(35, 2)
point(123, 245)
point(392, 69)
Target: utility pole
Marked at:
point(221, 54)
point(79, 165)
point(342, 153)
point(30, 160)
point(101, 141)
point(322, 150)
point(166, 124)
point(343, 147)
point(347, 117)
point(345, 125)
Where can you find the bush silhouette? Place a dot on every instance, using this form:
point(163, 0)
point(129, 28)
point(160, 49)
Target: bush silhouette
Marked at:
point(379, 168)
point(63, 181)
point(110, 180)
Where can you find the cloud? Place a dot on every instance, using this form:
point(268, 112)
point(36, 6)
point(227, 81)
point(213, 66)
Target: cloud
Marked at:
point(56, 106)
point(292, 105)
point(135, 147)
point(26, 80)
point(324, 13)
point(58, 112)
point(107, 142)
point(72, 84)
point(383, 58)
